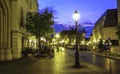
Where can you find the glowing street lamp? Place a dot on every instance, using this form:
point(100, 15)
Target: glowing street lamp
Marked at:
point(57, 35)
point(76, 17)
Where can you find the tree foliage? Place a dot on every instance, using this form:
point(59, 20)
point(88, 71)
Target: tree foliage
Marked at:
point(39, 23)
point(71, 34)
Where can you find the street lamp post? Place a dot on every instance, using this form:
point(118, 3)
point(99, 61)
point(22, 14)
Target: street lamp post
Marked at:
point(76, 16)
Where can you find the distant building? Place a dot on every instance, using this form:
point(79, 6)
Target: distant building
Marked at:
point(12, 34)
point(105, 28)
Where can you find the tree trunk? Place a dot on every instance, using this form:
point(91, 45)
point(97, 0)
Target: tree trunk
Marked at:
point(39, 43)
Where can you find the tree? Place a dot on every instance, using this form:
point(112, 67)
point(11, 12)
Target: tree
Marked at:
point(39, 23)
point(70, 34)
point(80, 32)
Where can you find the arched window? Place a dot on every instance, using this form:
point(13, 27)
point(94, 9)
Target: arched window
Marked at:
point(21, 18)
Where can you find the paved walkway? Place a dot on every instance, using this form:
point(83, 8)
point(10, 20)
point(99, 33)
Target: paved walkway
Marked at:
point(113, 54)
point(108, 55)
point(62, 63)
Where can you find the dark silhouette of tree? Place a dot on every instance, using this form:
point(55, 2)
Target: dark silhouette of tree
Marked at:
point(70, 34)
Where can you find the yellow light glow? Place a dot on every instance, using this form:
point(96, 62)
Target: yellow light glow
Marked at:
point(103, 40)
point(66, 41)
point(30, 40)
point(62, 49)
point(83, 42)
point(94, 47)
point(98, 40)
point(95, 41)
point(53, 40)
point(43, 39)
point(89, 42)
point(57, 35)
point(63, 41)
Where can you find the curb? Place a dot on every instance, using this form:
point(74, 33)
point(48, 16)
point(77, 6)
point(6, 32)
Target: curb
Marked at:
point(107, 56)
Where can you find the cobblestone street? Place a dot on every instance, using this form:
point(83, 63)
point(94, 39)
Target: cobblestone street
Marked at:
point(62, 63)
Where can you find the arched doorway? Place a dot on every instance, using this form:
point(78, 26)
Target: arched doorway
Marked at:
point(5, 46)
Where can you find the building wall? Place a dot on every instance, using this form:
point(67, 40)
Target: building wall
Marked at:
point(110, 32)
point(5, 40)
point(22, 6)
point(12, 17)
point(98, 32)
point(104, 34)
point(118, 7)
point(102, 31)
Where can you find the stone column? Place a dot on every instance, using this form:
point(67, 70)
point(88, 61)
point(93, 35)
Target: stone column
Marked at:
point(0, 28)
point(16, 35)
point(5, 30)
point(8, 53)
point(2, 51)
point(16, 39)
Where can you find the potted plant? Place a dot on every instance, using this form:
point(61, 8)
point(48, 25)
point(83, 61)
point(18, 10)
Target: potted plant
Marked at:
point(28, 52)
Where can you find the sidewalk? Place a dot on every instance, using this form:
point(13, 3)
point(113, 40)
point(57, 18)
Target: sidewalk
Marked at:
point(108, 55)
point(62, 63)
point(113, 54)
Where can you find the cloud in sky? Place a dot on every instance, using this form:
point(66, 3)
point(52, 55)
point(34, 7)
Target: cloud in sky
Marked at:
point(60, 27)
point(87, 23)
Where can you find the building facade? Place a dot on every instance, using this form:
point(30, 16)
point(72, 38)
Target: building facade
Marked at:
point(105, 28)
point(118, 7)
point(12, 33)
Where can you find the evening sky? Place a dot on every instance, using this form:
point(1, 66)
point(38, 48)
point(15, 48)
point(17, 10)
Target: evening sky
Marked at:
point(90, 11)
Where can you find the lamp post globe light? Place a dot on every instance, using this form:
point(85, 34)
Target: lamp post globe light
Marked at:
point(76, 17)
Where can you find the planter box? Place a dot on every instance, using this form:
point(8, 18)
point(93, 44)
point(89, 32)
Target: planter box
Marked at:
point(29, 55)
